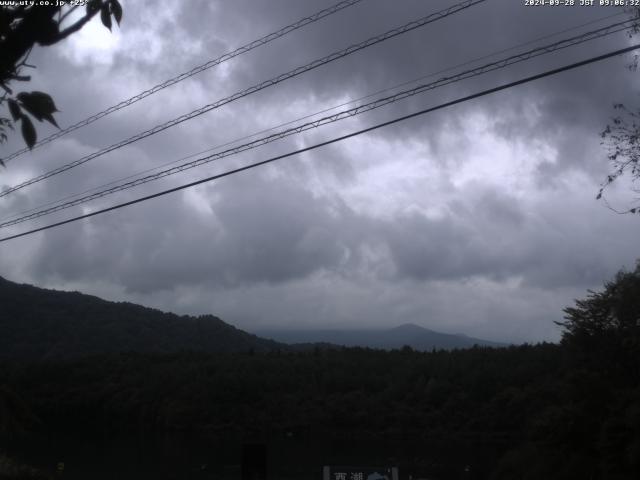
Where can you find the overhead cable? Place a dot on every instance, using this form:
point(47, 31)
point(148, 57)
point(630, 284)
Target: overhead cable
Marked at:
point(329, 142)
point(315, 114)
point(303, 22)
point(490, 67)
point(268, 83)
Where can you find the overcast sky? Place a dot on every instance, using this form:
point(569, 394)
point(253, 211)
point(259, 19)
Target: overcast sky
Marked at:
point(478, 219)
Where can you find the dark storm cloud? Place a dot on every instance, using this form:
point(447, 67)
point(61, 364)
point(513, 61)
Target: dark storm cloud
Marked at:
point(279, 232)
point(409, 223)
point(498, 24)
point(488, 236)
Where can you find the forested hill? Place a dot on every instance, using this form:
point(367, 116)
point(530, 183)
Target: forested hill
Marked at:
point(36, 323)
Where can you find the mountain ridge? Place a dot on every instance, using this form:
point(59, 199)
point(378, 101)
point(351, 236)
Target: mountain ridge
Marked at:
point(40, 323)
point(407, 334)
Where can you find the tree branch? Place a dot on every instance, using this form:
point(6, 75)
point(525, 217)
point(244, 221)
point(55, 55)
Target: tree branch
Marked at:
point(67, 13)
point(73, 28)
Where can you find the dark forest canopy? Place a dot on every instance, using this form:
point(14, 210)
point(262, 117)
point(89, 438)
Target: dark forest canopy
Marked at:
point(546, 411)
point(532, 411)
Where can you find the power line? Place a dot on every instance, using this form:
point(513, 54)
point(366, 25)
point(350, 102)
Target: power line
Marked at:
point(499, 64)
point(290, 122)
point(194, 71)
point(334, 140)
point(268, 83)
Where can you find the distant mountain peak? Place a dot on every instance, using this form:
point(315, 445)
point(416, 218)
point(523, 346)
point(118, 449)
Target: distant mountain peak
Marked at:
point(410, 327)
point(410, 334)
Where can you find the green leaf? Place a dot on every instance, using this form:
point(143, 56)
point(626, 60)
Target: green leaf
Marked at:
point(14, 109)
point(28, 131)
point(105, 16)
point(116, 9)
point(40, 105)
point(49, 118)
point(47, 31)
point(93, 6)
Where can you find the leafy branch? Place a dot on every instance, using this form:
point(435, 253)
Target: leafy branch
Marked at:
point(622, 139)
point(21, 28)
